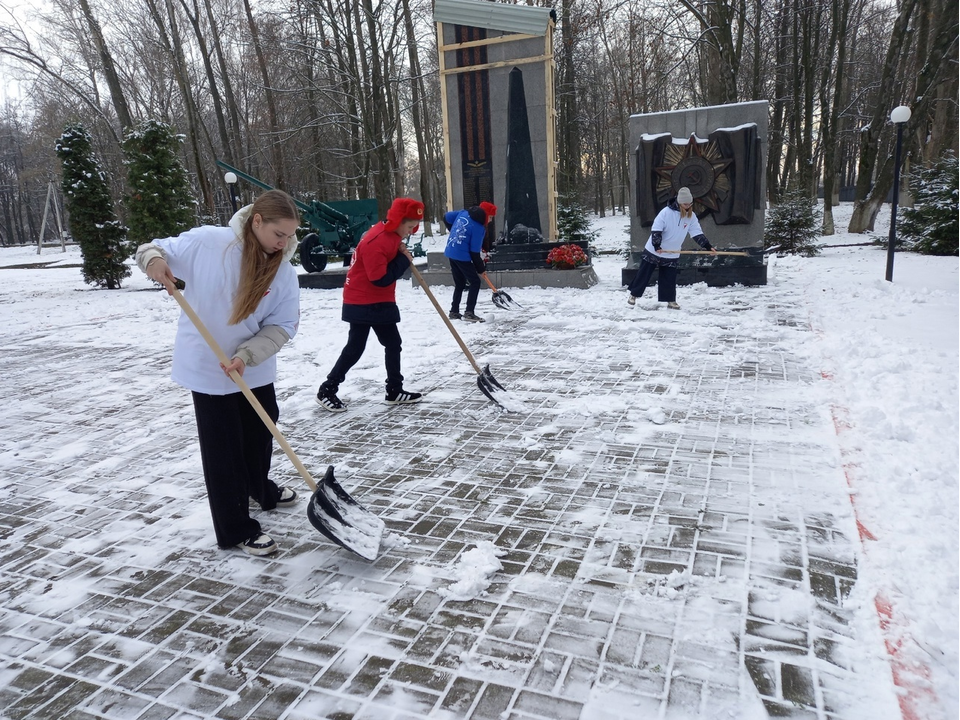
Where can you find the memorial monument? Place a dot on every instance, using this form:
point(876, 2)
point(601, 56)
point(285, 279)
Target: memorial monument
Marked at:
point(718, 152)
point(497, 95)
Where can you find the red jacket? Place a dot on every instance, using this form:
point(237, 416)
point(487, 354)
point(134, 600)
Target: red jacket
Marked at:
point(377, 265)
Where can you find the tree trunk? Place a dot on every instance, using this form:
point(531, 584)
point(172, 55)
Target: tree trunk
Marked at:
point(777, 130)
point(417, 112)
point(380, 125)
point(174, 47)
point(229, 97)
point(568, 130)
point(194, 18)
point(867, 199)
point(831, 106)
point(276, 146)
point(109, 70)
point(720, 54)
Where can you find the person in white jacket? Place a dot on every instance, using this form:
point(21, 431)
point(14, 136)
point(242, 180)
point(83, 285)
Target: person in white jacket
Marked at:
point(670, 229)
point(239, 281)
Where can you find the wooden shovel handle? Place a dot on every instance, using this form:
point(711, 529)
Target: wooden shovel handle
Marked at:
point(484, 276)
point(443, 316)
point(710, 252)
point(244, 388)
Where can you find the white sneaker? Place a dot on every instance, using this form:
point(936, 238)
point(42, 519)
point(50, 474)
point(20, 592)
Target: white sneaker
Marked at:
point(673, 306)
point(631, 300)
point(261, 544)
point(288, 497)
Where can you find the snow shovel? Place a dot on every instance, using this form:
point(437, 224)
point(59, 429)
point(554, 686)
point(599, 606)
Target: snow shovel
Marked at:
point(331, 510)
point(500, 298)
point(485, 381)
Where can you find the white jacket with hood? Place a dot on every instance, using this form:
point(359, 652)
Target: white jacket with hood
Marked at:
point(207, 259)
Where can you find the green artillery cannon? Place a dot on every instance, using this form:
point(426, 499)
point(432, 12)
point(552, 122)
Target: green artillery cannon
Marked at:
point(339, 225)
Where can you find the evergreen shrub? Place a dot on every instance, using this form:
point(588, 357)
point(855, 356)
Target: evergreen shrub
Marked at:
point(930, 227)
point(573, 221)
point(93, 223)
point(791, 225)
point(159, 201)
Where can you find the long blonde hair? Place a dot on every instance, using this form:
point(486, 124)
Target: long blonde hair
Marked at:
point(257, 268)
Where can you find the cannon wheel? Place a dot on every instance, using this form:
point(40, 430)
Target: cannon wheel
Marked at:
point(313, 256)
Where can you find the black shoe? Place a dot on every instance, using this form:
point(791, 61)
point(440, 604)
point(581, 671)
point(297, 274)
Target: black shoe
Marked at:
point(454, 315)
point(328, 400)
point(259, 544)
point(288, 497)
point(402, 397)
point(470, 317)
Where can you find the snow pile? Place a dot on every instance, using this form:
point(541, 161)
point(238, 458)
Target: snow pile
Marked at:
point(474, 571)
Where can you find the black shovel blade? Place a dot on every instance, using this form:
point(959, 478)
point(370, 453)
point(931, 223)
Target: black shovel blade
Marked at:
point(489, 386)
point(343, 520)
point(505, 302)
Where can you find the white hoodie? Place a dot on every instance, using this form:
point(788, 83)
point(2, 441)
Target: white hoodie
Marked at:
point(674, 231)
point(207, 259)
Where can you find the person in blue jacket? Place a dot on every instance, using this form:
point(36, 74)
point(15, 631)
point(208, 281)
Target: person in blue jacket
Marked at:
point(661, 253)
point(467, 230)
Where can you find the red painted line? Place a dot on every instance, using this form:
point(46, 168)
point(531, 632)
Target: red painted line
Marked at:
point(912, 677)
point(864, 533)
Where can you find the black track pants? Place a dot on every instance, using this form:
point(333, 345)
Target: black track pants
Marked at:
point(236, 448)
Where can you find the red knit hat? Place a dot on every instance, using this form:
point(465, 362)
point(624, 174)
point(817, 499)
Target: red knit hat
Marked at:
point(404, 209)
point(489, 208)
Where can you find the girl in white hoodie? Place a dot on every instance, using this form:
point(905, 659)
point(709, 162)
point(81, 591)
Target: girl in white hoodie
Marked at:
point(670, 229)
point(239, 281)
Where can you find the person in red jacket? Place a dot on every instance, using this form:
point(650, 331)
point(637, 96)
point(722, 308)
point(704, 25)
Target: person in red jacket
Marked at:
point(369, 302)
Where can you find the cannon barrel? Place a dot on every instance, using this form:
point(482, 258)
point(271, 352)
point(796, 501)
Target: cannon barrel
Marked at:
point(315, 207)
point(340, 228)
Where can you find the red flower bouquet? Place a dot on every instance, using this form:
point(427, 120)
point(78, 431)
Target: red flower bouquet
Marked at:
point(567, 257)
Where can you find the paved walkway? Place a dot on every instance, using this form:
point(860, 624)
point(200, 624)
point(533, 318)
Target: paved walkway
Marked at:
point(697, 568)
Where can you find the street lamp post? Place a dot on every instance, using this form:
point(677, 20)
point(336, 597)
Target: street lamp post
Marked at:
point(230, 179)
point(899, 117)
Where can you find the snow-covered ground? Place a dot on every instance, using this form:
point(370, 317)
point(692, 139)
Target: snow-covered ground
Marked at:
point(891, 351)
point(888, 350)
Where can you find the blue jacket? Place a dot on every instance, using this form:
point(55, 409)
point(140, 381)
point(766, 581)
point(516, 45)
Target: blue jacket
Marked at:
point(466, 236)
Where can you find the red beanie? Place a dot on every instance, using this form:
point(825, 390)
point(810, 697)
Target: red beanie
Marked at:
point(404, 209)
point(489, 208)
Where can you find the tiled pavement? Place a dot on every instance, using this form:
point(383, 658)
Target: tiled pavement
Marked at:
point(697, 568)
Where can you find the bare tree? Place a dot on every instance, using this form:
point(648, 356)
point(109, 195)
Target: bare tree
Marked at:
point(832, 103)
point(107, 66)
point(276, 147)
point(937, 59)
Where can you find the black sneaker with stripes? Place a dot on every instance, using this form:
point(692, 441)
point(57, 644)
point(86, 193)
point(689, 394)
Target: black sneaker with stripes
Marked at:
point(328, 400)
point(402, 397)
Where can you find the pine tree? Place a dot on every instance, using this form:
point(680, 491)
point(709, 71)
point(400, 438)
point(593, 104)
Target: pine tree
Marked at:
point(573, 222)
point(930, 226)
point(159, 203)
point(93, 223)
point(791, 225)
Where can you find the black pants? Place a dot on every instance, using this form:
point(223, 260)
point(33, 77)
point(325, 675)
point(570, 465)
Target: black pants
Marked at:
point(236, 447)
point(666, 281)
point(389, 337)
point(464, 274)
